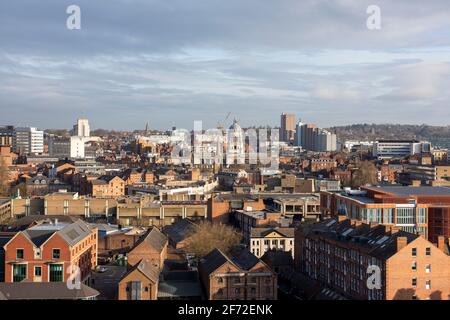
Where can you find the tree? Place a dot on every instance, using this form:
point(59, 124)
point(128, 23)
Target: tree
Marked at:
point(366, 173)
point(4, 179)
point(208, 236)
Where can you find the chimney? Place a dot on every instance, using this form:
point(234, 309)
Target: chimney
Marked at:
point(401, 243)
point(416, 183)
point(441, 243)
point(341, 217)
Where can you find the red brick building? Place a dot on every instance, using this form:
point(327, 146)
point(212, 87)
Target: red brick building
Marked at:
point(45, 252)
point(338, 253)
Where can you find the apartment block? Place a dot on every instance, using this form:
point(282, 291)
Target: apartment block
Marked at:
point(373, 262)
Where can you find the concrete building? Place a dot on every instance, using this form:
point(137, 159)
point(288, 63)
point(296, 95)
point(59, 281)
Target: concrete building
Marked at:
point(81, 128)
point(28, 141)
point(387, 149)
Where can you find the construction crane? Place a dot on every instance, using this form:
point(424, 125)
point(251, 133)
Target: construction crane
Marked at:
point(220, 125)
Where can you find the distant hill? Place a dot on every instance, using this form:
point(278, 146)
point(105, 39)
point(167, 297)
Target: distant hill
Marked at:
point(438, 135)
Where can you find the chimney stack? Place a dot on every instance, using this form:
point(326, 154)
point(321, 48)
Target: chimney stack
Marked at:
point(441, 243)
point(341, 217)
point(401, 243)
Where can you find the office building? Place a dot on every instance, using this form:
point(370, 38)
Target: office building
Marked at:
point(28, 140)
point(6, 135)
point(387, 149)
point(423, 210)
point(287, 130)
point(81, 129)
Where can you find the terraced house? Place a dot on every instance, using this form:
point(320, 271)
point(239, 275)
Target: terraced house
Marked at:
point(45, 252)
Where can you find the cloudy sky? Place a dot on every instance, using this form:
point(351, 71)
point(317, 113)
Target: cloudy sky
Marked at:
point(170, 62)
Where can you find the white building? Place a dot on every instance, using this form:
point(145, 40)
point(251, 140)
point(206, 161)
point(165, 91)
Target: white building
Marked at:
point(264, 239)
point(81, 129)
point(28, 140)
point(387, 149)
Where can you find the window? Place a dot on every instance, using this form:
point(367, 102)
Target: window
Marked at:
point(56, 253)
point(414, 252)
point(220, 292)
point(37, 271)
point(237, 290)
point(414, 282)
point(414, 266)
point(220, 280)
point(146, 289)
point(252, 290)
point(428, 284)
point(56, 273)
point(428, 268)
point(422, 216)
point(19, 272)
point(19, 254)
point(428, 251)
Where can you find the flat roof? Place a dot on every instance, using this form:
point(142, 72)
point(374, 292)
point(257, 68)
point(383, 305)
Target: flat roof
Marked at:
point(406, 191)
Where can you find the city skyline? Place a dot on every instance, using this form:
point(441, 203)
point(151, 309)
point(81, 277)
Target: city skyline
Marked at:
point(172, 64)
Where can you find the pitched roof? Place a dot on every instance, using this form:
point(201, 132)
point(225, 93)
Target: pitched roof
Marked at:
point(179, 230)
point(147, 268)
point(155, 238)
point(375, 240)
point(263, 232)
point(44, 291)
point(240, 257)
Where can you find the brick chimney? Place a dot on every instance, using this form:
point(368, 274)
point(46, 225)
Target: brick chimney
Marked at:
point(401, 243)
point(341, 217)
point(416, 183)
point(441, 243)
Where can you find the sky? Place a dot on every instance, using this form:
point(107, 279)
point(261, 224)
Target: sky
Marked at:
point(171, 62)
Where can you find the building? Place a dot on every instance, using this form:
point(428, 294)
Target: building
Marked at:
point(239, 276)
point(28, 141)
point(140, 282)
point(59, 147)
point(152, 248)
point(287, 130)
point(342, 254)
point(81, 128)
point(6, 135)
point(46, 252)
point(220, 205)
point(266, 239)
point(387, 149)
point(298, 134)
point(409, 208)
point(107, 186)
point(300, 206)
point(324, 141)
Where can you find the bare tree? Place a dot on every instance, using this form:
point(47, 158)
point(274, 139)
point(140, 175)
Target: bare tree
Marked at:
point(208, 236)
point(4, 179)
point(366, 173)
